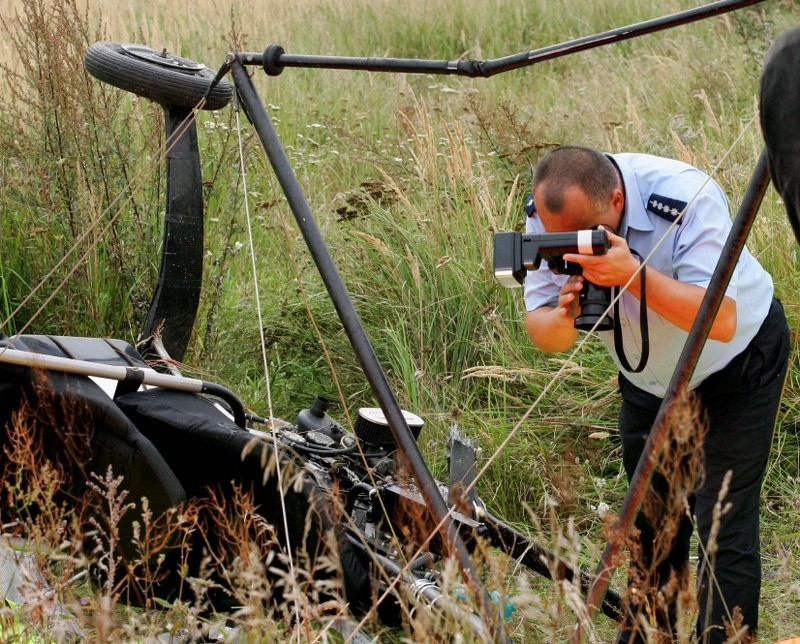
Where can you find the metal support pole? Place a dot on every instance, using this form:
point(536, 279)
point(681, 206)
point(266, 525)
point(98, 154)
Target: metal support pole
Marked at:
point(274, 59)
point(435, 504)
point(679, 383)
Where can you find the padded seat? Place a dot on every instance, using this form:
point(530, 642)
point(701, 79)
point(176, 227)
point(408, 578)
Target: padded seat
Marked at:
point(169, 446)
point(83, 429)
point(206, 449)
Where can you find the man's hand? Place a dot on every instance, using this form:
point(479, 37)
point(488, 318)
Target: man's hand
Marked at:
point(552, 328)
point(614, 268)
point(673, 300)
point(568, 306)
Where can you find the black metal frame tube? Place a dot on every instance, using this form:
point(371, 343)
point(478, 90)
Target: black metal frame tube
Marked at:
point(351, 322)
point(180, 275)
point(274, 59)
point(680, 380)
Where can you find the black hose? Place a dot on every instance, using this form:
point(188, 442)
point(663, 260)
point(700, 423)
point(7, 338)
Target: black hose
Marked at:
point(236, 407)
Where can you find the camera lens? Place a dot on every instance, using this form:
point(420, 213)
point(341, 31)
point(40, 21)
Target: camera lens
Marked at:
point(594, 301)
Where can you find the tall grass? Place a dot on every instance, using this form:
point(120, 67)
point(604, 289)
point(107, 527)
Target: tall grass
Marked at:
point(409, 177)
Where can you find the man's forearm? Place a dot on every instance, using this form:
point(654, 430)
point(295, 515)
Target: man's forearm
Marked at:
point(551, 329)
point(679, 303)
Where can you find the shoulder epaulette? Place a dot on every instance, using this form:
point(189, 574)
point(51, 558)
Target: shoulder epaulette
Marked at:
point(530, 206)
point(665, 207)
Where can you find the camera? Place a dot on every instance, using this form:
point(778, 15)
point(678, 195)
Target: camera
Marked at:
point(515, 254)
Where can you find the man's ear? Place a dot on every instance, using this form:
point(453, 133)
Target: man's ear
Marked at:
point(618, 200)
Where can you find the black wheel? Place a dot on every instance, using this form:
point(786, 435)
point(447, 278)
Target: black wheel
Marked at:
point(160, 76)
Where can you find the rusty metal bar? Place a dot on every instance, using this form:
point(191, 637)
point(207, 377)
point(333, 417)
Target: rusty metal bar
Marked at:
point(679, 383)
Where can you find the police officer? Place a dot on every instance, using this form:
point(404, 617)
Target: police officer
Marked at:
point(677, 218)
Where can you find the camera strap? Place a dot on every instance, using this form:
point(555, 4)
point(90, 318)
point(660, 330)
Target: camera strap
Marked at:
point(623, 360)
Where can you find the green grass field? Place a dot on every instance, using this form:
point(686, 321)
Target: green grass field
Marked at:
point(409, 177)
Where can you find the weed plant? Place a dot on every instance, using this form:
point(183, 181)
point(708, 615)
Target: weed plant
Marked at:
point(409, 177)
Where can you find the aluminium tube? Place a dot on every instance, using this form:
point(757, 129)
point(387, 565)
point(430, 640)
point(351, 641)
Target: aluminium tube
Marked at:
point(274, 59)
point(122, 373)
point(351, 322)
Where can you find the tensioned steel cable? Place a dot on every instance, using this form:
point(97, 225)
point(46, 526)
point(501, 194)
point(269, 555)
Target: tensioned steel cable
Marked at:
point(274, 60)
point(391, 583)
point(556, 379)
point(263, 343)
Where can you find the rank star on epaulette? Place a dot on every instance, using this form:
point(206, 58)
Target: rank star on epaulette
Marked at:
point(665, 207)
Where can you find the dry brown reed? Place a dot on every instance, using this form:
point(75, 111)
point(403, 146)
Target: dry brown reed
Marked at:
point(661, 608)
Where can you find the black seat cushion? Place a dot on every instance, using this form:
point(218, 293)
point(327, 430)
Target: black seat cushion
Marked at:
point(84, 433)
point(169, 446)
point(206, 450)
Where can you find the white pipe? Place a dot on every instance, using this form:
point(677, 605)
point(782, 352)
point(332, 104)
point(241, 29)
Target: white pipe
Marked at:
point(112, 372)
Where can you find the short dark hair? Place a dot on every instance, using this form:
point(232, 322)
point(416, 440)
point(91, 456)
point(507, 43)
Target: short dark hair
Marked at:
point(572, 165)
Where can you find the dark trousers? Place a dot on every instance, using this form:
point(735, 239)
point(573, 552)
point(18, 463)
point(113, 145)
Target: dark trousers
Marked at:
point(740, 403)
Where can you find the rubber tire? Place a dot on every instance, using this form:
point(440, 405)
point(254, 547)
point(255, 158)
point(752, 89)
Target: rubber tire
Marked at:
point(178, 81)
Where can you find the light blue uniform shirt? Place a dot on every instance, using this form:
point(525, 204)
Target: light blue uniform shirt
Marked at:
point(656, 191)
